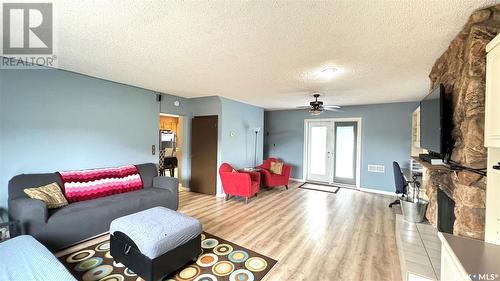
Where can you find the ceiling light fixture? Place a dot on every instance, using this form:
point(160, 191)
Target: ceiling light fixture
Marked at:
point(328, 72)
point(315, 111)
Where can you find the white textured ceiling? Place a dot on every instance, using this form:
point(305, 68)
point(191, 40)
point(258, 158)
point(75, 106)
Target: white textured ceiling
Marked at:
point(265, 53)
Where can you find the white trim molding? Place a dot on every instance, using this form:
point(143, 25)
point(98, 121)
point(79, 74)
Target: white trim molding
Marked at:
point(377, 191)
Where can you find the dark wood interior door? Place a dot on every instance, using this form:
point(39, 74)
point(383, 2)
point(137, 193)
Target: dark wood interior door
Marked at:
point(204, 135)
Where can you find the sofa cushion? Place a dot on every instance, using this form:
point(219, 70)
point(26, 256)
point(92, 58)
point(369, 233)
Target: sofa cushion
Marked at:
point(51, 194)
point(276, 167)
point(95, 216)
point(148, 171)
point(91, 184)
point(18, 183)
point(113, 204)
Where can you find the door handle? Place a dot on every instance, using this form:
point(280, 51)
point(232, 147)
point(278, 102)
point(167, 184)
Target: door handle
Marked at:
point(497, 166)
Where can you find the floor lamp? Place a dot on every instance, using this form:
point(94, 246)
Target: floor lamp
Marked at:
point(256, 130)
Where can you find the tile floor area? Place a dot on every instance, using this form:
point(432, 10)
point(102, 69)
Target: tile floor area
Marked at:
point(419, 250)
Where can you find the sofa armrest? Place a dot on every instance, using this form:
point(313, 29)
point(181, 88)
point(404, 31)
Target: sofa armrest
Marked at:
point(170, 184)
point(265, 173)
point(236, 177)
point(287, 169)
point(254, 176)
point(166, 183)
point(29, 212)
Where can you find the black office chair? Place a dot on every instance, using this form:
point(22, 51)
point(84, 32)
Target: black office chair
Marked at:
point(400, 182)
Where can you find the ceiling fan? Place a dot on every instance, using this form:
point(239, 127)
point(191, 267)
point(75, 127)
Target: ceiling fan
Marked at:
point(316, 107)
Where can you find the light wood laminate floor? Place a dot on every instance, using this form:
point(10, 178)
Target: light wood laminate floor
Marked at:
point(314, 235)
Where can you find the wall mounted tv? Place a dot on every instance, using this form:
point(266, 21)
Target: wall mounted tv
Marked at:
point(432, 122)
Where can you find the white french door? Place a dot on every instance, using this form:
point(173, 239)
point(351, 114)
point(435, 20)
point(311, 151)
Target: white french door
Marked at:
point(332, 151)
point(319, 150)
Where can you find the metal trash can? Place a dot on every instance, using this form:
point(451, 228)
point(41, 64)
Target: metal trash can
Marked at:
point(414, 211)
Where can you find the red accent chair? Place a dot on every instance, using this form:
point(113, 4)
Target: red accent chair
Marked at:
point(272, 180)
point(244, 184)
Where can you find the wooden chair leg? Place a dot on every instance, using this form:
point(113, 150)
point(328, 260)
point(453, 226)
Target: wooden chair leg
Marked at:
point(227, 197)
point(246, 200)
point(286, 186)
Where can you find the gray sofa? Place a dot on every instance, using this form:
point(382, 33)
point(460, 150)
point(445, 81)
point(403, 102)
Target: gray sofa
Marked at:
point(63, 227)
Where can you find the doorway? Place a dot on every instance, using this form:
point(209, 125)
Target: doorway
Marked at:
point(332, 149)
point(170, 143)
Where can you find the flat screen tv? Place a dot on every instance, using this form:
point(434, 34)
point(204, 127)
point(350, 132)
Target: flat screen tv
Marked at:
point(432, 122)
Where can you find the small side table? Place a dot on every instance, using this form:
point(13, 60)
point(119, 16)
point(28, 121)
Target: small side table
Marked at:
point(253, 170)
point(8, 228)
point(250, 170)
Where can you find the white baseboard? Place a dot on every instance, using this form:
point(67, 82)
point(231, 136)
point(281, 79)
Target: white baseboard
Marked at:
point(183, 188)
point(299, 180)
point(377, 191)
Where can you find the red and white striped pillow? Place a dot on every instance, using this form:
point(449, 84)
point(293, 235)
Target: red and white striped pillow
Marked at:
point(90, 184)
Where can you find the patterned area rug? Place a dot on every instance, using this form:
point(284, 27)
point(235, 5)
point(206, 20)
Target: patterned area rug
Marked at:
point(219, 260)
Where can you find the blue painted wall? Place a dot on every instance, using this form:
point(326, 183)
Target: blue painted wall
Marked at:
point(206, 106)
point(385, 136)
point(54, 120)
point(241, 119)
point(168, 105)
point(236, 117)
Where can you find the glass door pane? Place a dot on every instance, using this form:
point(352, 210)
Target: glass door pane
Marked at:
point(345, 152)
point(319, 161)
point(318, 150)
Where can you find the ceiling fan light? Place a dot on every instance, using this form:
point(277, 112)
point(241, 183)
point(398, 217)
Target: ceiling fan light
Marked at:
point(315, 112)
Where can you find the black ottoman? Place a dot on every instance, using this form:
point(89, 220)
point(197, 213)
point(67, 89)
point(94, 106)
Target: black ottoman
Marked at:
point(156, 242)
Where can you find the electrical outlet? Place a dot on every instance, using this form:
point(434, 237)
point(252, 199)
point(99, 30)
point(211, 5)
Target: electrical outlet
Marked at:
point(153, 149)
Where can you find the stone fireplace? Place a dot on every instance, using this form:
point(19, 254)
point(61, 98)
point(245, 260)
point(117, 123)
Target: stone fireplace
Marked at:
point(462, 70)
